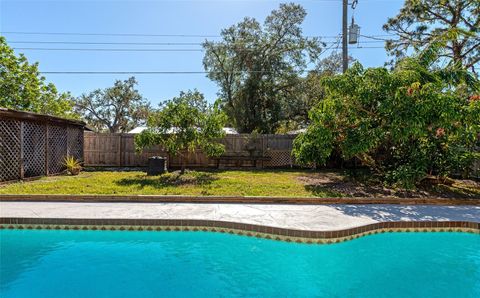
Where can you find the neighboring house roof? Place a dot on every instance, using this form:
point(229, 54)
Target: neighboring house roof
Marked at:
point(227, 130)
point(230, 131)
point(296, 132)
point(138, 129)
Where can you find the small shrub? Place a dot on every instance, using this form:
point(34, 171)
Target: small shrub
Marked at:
point(73, 165)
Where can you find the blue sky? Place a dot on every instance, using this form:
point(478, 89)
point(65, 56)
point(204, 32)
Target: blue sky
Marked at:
point(162, 17)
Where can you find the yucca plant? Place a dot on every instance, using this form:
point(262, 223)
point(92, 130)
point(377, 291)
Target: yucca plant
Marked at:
point(73, 165)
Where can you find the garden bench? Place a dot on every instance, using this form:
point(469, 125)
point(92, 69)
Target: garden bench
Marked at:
point(257, 160)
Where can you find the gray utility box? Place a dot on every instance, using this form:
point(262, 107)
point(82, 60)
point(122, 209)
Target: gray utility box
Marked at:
point(157, 165)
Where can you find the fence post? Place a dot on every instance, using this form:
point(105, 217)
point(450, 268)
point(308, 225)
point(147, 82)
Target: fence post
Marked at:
point(47, 140)
point(119, 150)
point(22, 162)
point(82, 145)
point(68, 139)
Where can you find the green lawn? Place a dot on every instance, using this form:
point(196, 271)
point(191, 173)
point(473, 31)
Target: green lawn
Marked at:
point(228, 183)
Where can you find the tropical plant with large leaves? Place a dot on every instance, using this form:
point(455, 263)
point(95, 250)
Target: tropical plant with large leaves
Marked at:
point(404, 124)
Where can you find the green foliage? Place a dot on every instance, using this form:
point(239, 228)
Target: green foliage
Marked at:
point(23, 88)
point(185, 123)
point(73, 165)
point(257, 68)
point(403, 124)
point(115, 109)
point(423, 22)
point(287, 126)
point(309, 91)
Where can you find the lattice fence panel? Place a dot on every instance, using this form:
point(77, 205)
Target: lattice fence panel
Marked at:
point(57, 145)
point(279, 158)
point(9, 150)
point(34, 155)
point(75, 142)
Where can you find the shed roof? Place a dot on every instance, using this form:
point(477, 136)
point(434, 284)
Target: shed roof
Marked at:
point(30, 116)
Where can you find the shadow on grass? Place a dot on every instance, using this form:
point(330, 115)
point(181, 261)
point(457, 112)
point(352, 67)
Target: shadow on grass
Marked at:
point(321, 191)
point(170, 179)
point(362, 183)
point(459, 190)
point(359, 183)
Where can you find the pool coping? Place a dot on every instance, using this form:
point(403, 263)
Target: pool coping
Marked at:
point(233, 199)
point(252, 230)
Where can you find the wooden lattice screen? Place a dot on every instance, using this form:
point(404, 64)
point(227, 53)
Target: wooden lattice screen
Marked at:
point(9, 150)
point(33, 145)
point(34, 142)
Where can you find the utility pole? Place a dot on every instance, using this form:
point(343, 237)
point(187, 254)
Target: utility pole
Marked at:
point(345, 35)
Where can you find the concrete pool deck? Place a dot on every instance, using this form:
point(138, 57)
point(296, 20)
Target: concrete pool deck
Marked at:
point(300, 217)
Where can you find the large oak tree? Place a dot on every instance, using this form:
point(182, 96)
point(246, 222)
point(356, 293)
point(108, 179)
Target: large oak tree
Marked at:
point(115, 109)
point(257, 67)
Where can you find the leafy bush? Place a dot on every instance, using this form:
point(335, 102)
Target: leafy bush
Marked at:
point(185, 124)
point(403, 124)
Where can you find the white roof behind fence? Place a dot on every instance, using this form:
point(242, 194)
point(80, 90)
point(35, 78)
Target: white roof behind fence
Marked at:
point(138, 129)
point(296, 132)
point(227, 130)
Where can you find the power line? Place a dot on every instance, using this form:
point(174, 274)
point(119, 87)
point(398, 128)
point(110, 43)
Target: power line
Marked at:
point(142, 50)
point(337, 44)
point(142, 34)
point(359, 48)
point(123, 72)
point(109, 50)
point(402, 39)
point(111, 43)
point(156, 72)
point(122, 34)
point(375, 37)
point(146, 43)
point(108, 34)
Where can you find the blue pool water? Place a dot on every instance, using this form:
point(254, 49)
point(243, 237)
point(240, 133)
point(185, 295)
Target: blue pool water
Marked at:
point(203, 264)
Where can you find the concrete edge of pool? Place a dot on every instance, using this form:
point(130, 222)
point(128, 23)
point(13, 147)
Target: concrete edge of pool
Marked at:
point(251, 230)
point(234, 199)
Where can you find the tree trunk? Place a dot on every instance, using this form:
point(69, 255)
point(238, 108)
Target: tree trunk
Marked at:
point(182, 169)
point(184, 163)
point(457, 54)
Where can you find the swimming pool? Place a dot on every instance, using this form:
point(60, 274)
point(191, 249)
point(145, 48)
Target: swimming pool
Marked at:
point(51, 263)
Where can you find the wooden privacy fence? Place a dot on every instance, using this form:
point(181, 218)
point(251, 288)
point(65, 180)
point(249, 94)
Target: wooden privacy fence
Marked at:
point(118, 150)
point(33, 145)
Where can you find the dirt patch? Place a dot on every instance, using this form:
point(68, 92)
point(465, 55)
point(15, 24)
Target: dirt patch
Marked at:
point(348, 186)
